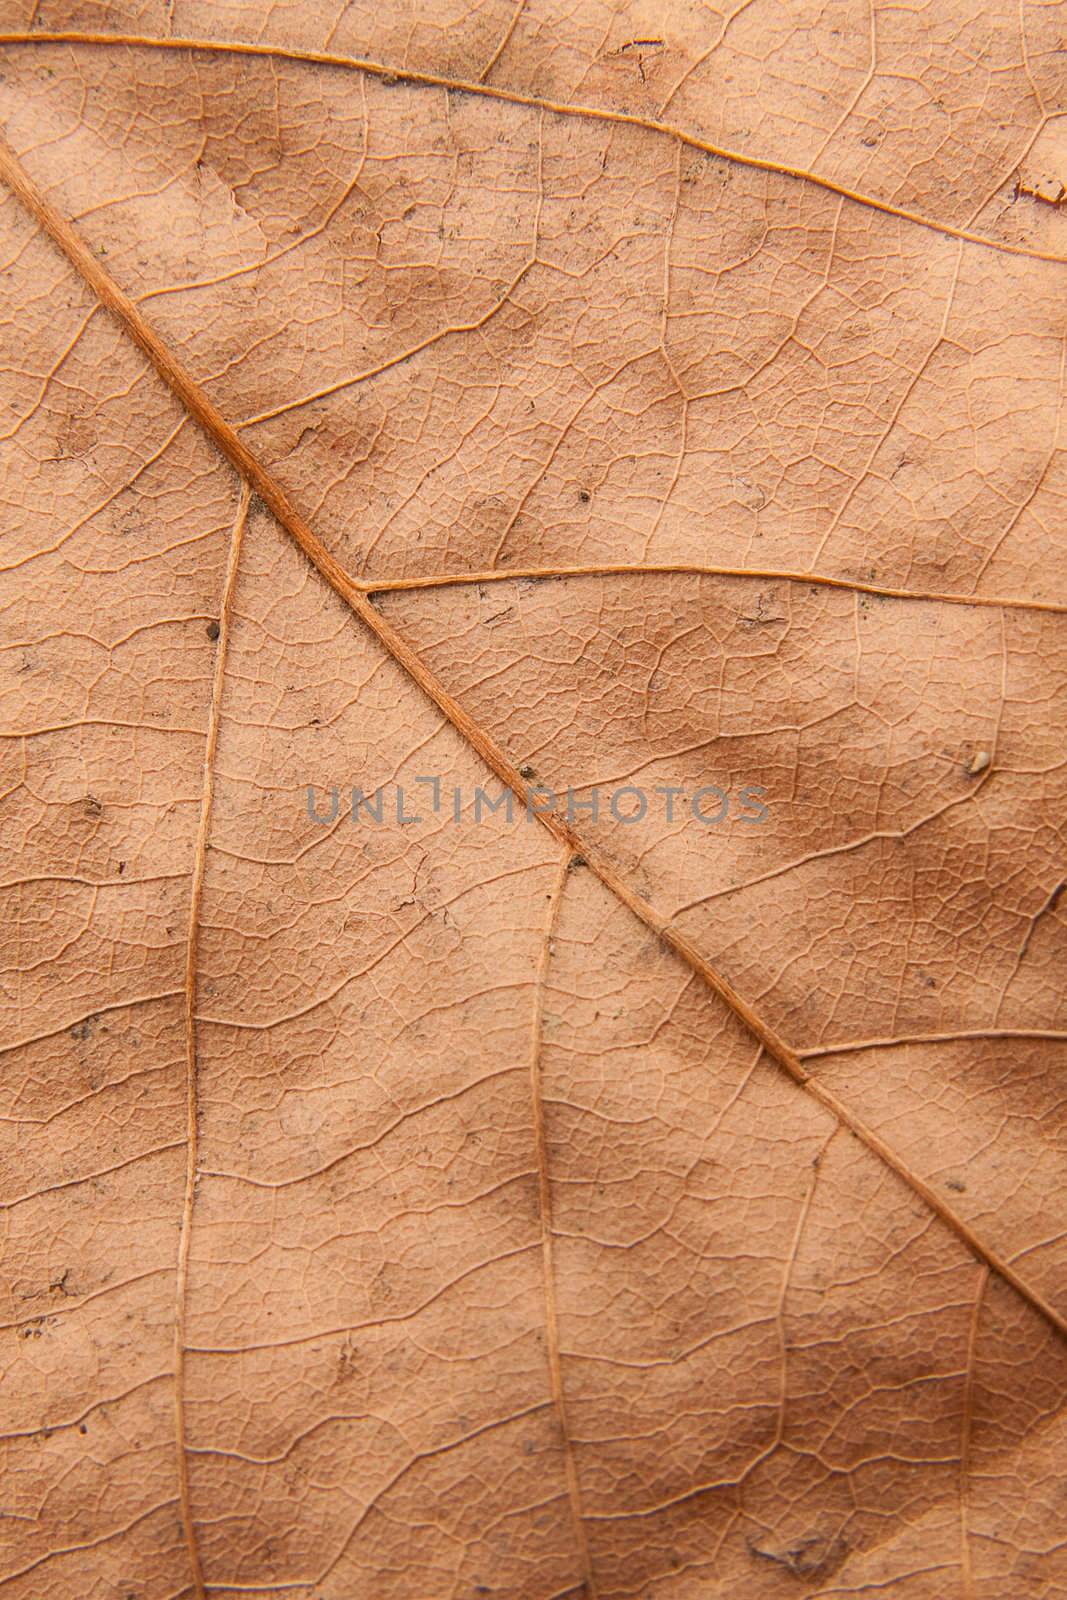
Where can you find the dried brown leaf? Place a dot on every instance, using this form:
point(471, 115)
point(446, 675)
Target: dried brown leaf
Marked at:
point(560, 395)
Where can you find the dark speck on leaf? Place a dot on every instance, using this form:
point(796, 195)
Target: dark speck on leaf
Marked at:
point(213, 630)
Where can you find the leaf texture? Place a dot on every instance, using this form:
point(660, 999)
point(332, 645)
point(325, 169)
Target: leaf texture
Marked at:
point(575, 396)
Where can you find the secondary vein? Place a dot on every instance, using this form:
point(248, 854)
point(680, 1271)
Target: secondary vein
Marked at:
point(560, 108)
point(192, 1108)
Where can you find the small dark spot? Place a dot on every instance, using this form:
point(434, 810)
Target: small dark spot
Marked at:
point(121, 868)
point(584, 496)
point(82, 1030)
point(83, 1427)
point(213, 630)
point(92, 806)
point(575, 863)
point(957, 1185)
point(527, 772)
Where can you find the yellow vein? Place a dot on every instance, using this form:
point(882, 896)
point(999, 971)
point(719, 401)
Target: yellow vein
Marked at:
point(191, 1099)
point(560, 108)
point(275, 498)
point(783, 1296)
point(505, 40)
point(895, 1041)
point(700, 569)
point(966, 1430)
point(544, 1187)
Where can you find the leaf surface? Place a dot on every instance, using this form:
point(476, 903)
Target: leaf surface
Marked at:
point(538, 395)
